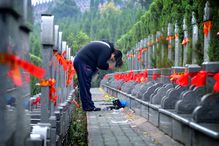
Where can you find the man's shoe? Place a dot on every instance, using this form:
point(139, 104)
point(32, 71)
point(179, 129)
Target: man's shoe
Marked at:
point(94, 109)
point(97, 109)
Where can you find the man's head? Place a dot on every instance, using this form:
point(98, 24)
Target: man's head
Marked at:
point(117, 57)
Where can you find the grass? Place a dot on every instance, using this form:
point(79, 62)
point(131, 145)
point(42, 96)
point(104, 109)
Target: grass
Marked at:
point(78, 128)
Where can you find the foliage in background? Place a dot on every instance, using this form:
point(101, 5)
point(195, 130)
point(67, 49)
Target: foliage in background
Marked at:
point(35, 56)
point(104, 20)
point(37, 61)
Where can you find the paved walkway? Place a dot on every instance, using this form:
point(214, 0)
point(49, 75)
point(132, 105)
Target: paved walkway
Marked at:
point(121, 127)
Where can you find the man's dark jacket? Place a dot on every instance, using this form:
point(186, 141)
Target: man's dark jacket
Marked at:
point(96, 54)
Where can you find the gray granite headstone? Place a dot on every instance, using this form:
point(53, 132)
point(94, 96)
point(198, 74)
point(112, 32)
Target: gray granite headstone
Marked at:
point(144, 88)
point(149, 52)
point(211, 67)
point(150, 74)
point(150, 90)
point(170, 42)
point(177, 49)
point(162, 45)
point(156, 99)
point(206, 17)
point(185, 47)
point(9, 93)
point(165, 73)
point(136, 89)
point(194, 37)
point(145, 54)
point(171, 97)
point(189, 100)
point(13, 6)
point(208, 110)
point(128, 86)
point(47, 37)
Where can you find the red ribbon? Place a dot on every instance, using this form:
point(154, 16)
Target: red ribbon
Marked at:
point(155, 76)
point(52, 91)
point(169, 38)
point(61, 59)
point(15, 62)
point(71, 72)
point(183, 80)
point(216, 85)
point(140, 77)
point(185, 41)
point(36, 102)
point(200, 79)
point(140, 54)
point(207, 27)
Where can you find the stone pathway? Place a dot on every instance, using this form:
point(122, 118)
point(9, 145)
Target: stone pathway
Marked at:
point(121, 127)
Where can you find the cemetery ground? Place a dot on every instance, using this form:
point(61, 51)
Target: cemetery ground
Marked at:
point(121, 126)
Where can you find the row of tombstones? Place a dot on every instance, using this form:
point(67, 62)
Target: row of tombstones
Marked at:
point(188, 114)
point(22, 122)
point(150, 45)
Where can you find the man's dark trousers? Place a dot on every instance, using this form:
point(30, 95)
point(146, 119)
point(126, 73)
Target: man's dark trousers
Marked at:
point(84, 73)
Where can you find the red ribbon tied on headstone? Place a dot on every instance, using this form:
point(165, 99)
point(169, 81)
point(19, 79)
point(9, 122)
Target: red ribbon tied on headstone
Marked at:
point(185, 41)
point(216, 85)
point(61, 59)
point(207, 27)
point(71, 72)
point(155, 76)
point(140, 54)
point(52, 91)
point(183, 80)
point(173, 77)
point(15, 63)
point(200, 79)
point(36, 102)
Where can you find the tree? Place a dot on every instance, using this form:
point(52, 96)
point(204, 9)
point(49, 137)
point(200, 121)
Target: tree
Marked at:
point(64, 8)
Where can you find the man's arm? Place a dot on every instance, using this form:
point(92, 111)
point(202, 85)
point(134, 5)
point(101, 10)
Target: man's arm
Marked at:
point(102, 62)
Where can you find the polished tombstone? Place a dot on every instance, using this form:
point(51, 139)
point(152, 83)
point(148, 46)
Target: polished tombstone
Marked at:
point(149, 51)
point(185, 42)
point(128, 86)
point(143, 88)
point(190, 98)
point(134, 104)
point(47, 38)
point(205, 116)
point(150, 91)
point(153, 109)
point(207, 37)
point(165, 73)
point(194, 37)
point(54, 74)
point(168, 104)
point(13, 7)
point(170, 41)
point(23, 115)
point(145, 53)
point(177, 48)
point(11, 96)
point(181, 116)
point(172, 96)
